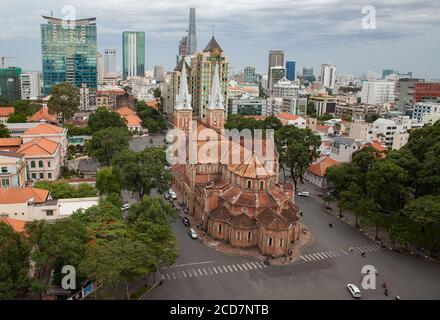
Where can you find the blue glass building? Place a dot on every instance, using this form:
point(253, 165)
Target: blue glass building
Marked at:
point(69, 52)
point(290, 70)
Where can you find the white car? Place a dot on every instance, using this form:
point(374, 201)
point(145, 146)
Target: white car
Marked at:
point(304, 194)
point(126, 206)
point(192, 233)
point(172, 194)
point(354, 291)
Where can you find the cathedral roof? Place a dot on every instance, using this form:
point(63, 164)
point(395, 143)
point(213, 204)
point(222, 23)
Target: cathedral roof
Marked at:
point(270, 220)
point(243, 221)
point(212, 44)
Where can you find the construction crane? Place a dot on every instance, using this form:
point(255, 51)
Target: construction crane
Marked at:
point(4, 59)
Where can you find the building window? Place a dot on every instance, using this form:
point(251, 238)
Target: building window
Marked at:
point(5, 183)
point(32, 164)
point(269, 242)
point(220, 229)
point(48, 164)
point(41, 175)
point(249, 236)
point(261, 185)
point(49, 175)
point(238, 235)
point(49, 212)
point(34, 176)
point(4, 169)
point(249, 184)
point(40, 164)
point(281, 243)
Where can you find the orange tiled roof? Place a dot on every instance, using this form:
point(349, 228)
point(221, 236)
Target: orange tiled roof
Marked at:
point(42, 115)
point(38, 146)
point(44, 128)
point(152, 104)
point(6, 111)
point(16, 225)
point(9, 142)
point(287, 116)
point(377, 146)
point(21, 195)
point(133, 120)
point(125, 111)
point(320, 168)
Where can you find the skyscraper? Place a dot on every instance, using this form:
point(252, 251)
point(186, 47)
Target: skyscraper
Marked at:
point(69, 52)
point(328, 75)
point(10, 84)
point(308, 75)
point(290, 70)
point(276, 74)
point(159, 73)
point(276, 59)
point(133, 54)
point(249, 75)
point(100, 65)
point(192, 40)
point(30, 85)
point(110, 61)
point(202, 71)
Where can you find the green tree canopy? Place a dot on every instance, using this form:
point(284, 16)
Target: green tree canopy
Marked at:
point(106, 143)
point(107, 181)
point(64, 100)
point(103, 118)
point(63, 190)
point(4, 131)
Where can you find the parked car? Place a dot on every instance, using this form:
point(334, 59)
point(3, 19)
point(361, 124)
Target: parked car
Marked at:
point(168, 168)
point(354, 291)
point(172, 194)
point(186, 221)
point(304, 194)
point(126, 206)
point(167, 196)
point(192, 233)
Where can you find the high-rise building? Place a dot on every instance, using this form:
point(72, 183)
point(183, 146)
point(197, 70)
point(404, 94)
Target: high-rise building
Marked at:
point(308, 75)
point(10, 84)
point(328, 75)
point(427, 91)
point(69, 52)
point(249, 75)
point(202, 71)
point(378, 92)
point(30, 85)
point(276, 74)
point(110, 61)
point(276, 59)
point(405, 93)
point(100, 64)
point(387, 72)
point(159, 73)
point(192, 40)
point(182, 46)
point(133, 54)
point(290, 70)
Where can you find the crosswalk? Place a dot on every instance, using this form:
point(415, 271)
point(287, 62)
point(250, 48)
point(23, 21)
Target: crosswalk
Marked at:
point(204, 271)
point(339, 252)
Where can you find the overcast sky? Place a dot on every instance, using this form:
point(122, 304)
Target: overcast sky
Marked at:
point(311, 32)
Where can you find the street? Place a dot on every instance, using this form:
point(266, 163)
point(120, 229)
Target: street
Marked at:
point(322, 272)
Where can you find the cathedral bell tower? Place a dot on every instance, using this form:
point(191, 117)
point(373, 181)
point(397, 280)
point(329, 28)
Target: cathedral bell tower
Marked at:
point(215, 111)
point(183, 110)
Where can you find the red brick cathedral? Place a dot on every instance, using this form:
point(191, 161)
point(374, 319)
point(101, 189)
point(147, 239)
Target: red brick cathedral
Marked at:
point(241, 203)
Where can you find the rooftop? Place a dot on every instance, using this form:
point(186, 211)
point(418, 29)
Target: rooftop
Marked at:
point(22, 195)
point(16, 225)
point(6, 111)
point(38, 146)
point(44, 128)
point(320, 168)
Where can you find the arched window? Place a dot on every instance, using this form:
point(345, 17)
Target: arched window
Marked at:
point(32, 164)
point(269, 242)
point(238, 235)
point(261, 185)
point(249, 184)
point(40, 164)
point(281, 242)
point(249, 236)
point(219, 228)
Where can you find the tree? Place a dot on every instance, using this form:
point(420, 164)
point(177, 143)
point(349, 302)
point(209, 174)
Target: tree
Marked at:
point(106, 143)
point(63, 190)
point(107, 181)
point(311, 109)
point(272, 122)
point(350, 200)
point(64, 101)
point(428, 177)
point(142, 171)
point(152, 209)
point(17, 118)
point(262, 92)
point(104, 118)
point(340, 177)
point(14, 262)
point(371, 117)
point(4, 131)
point(25, 107)
point(151, 118)
point(297, 149)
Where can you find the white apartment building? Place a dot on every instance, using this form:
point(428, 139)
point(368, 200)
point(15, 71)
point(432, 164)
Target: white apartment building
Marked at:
point(285, 88)
point(30, 85)
point(248, 106)
point(426, 112)
point(328, 75)
point(342, 149)
point(378, 92)
point(110, 61)
point(274, 106)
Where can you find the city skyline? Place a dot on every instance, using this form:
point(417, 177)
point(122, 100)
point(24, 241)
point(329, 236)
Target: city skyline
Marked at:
point(336, 37)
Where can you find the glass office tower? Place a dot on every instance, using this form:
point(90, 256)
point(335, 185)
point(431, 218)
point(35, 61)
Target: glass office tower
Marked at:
point(69, 52)
point(133, 54)
point(290, 70)
point(10, 84)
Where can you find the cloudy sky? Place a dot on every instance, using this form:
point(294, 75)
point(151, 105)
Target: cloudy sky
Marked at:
point(312, 32)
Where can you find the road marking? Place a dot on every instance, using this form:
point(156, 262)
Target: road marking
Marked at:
point(310, 257)
point(200, 272)
point(239, 267)
point(190, 274)
point(244, 267)
point(163, 277)
point(315, 255)
point(205, 271)
point(230, 268)
point(168, 276)
point(225, 268)
point(323, 254)
point(235, 267)
point(220, 269)
point(254, 265)
point(249, 266)
point(215, 270)
point(344, 252)
point(302, 257)
point(184, 274)
point(188, 264)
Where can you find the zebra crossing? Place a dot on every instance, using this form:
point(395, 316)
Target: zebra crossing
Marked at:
point(207, 271)
point(311, 257)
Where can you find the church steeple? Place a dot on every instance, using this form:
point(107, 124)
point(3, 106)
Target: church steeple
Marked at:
point(183, 108)
point(215, 110)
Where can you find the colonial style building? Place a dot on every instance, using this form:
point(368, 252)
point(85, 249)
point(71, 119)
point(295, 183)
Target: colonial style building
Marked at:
point(241, 203)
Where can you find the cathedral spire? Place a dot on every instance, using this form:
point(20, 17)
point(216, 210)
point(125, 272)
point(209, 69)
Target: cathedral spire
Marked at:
point(216, 97)
point(183, 98)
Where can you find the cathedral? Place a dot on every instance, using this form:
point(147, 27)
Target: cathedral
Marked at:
point(242, 204)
